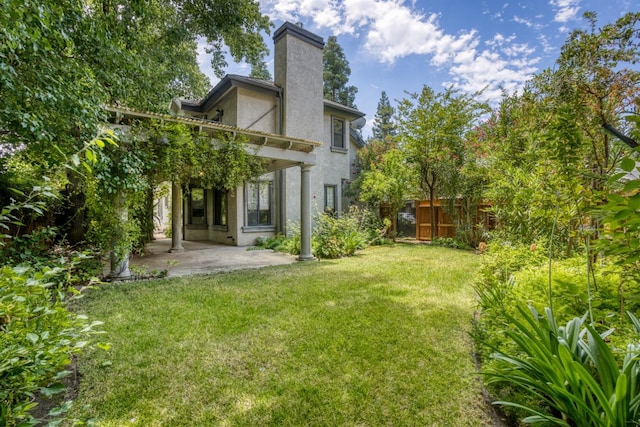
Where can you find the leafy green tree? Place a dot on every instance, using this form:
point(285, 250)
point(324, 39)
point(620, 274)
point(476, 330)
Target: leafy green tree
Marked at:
point(336, 74)
point(549, 156)
point(383, 124)
point(432, 128)
point(50, 96)
point(620, 237)
point(388, 181)
point(596, 76)
point(61, 61)
point(145, 55)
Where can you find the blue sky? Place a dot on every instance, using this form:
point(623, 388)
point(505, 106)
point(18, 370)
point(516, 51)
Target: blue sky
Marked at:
point(398, 46)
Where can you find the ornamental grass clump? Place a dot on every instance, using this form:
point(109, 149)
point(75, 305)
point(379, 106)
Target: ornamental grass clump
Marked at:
point(571, 369)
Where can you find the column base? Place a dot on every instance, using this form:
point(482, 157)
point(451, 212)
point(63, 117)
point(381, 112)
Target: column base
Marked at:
point(119, 269)
point(175, 250)
point(306, 258)
point(122, 277)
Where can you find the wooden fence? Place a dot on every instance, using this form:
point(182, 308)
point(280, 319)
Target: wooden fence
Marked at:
point(445, 226)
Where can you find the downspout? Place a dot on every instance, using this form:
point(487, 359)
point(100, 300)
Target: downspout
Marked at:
point(281, 119)
point(281, 176)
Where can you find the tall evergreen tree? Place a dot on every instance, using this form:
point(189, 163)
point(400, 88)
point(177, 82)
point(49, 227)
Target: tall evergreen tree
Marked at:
point(259, 70)
point(384, 125)
point(336, 75)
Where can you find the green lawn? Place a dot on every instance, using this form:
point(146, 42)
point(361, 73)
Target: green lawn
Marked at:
point(373, 340)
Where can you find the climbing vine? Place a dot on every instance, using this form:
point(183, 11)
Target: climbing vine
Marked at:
point(149, 153)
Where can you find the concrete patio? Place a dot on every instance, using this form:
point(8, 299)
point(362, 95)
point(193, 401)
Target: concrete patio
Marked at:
point(204, 257)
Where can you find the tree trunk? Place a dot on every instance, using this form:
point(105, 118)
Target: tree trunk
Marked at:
point(72, 217)
point(432, 212)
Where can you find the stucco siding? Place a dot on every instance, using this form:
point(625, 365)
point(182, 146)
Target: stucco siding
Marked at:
point(257, 111)
point(229, 107)
point(335, 165)
point(298, 70)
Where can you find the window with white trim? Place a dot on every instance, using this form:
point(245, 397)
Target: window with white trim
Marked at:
point(338, 133)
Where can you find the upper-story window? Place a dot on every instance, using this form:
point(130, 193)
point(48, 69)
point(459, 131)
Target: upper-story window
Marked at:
point(338, 134)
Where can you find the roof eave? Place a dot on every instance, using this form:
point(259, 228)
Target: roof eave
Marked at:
point(253, 136)
point(352, 113)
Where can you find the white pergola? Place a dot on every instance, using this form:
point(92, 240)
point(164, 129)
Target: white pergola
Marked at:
point(279, 151)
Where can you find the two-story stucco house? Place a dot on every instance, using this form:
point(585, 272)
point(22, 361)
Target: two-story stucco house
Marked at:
point(308, 143)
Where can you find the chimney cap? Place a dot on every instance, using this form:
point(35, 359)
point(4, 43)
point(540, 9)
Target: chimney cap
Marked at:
point(297, 31)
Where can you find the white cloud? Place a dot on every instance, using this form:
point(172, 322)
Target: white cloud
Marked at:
point(392, 30)
point(524, 21)
point(547, 47)
point(504, 65)
point(528, 22)
point(566, 10)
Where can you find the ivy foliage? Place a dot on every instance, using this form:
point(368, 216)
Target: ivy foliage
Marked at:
point(147, 154)
point(179, 153)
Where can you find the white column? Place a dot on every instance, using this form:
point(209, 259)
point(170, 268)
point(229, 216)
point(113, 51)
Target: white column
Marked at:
point(119, 259)
point(176, 217)
point(305, 214)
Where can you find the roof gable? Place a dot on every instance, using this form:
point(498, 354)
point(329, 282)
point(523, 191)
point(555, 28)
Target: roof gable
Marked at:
point(222, 88)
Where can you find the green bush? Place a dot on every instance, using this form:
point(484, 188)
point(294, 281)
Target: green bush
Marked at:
point(449, 242)
point(335, 237)
point(38, 338)
point(514, 276)
point(343, 236)
point(28, 248)
point(332, 237)
point(275, 243)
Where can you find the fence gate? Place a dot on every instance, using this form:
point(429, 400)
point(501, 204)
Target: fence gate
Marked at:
point(445, 226)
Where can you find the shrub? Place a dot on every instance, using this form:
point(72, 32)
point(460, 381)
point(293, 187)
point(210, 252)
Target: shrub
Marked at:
point(337, 237)
point(514, 275)
point(332, 237)
point(66, 266)
point(275, 243)
point(449, 242)
point(28, 248)
point(38, 338)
